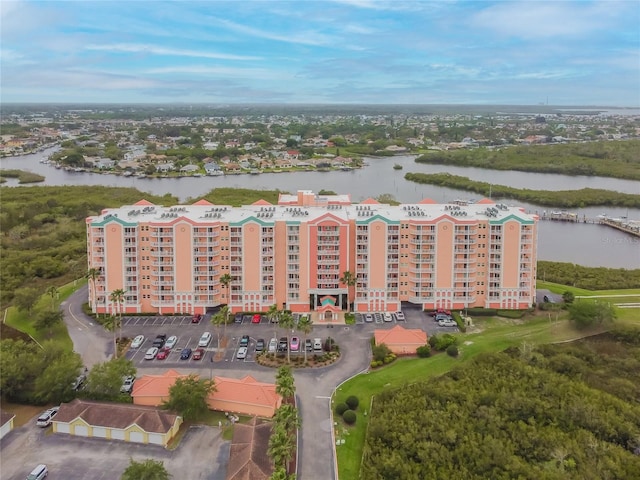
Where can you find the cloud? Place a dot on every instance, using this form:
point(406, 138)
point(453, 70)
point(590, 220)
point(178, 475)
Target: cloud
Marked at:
point(251, 73)
point(158, 50)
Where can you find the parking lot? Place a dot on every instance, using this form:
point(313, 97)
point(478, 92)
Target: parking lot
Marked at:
point(255, 327)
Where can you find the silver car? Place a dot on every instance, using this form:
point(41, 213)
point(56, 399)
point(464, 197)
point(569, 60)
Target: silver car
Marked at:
point(242, 353)
point(151, 353)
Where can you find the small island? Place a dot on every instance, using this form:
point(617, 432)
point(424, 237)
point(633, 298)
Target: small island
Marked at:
point(397, 166)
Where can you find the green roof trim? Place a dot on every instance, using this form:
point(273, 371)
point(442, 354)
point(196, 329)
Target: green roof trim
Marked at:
point(114, 219)
point(251, 219)
point(511, 217)
point(377, 217)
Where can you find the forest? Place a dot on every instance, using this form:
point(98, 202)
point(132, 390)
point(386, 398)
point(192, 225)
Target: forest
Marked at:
point(602, 159)
point(550, 198)
point(566, 411)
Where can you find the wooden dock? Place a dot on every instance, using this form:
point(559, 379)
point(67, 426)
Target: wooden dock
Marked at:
point(628, 226)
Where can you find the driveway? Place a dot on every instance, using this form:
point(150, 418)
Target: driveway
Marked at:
point(314, 387)
point(202, 455)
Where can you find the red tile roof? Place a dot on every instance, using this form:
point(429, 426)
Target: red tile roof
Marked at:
point(245, 391)
point(400, 336)
point(248, 459)
point(155, 385)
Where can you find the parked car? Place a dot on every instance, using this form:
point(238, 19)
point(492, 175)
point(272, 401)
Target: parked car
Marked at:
point(260, 345)
point(163, 353)
point(196, 318)
point(237, 318)
point(244, 341)
point(242, 353)
point(256, 318)
point(137, 342)
point(442, 316)
point(400, 316)
point(273, 345)
point(127, 384)
point(185, 354)
point(45, 418)
point(151, 353)
point(440, 311)
point(317, 344)
point(79, 382)
point(308, 345)
point(159, 340)
point(447, 323)
point(198, 353)
point(38, 473)
point(368, 318)
point(205, 339)
point(295, 344)
point(283, 344)
point(171, 341)
point(388, 317)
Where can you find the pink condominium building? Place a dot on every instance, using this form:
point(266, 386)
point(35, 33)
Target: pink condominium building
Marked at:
point(295, 254)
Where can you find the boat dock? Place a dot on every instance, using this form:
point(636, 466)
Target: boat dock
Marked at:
point(623, 224)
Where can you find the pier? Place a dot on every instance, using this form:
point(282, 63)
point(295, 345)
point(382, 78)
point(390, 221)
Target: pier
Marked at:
point(623, 224)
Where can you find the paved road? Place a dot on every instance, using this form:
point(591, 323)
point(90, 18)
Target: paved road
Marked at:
point(314, 387)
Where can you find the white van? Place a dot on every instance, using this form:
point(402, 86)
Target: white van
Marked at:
point(273, 345)
point(38, 473)
point(317, 344)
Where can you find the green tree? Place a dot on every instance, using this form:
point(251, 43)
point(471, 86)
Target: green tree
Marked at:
point(47, 319)
point(188, 396)
point(349, 279)
point(273, 313)
point(568, 297)
point(218, 319)
point(112, 323)
point(286, 322)
point(53, 292)
point(146, 470)
point(19, 366)
point(379, 352)
point(285, 384)
point(25, 298)
point(281, 447)
point(287, 416)
point(588, 313)
point(54, 382)
point(93, 274)
point(118, 297)
point(280, 473)
point(105, 379)
point(305, 325)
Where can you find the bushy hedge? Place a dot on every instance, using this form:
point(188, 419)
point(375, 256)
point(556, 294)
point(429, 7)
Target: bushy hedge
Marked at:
point(424, 351)
point(452, 351)
point(482, 312)
point(352, 402)
point(341, 408)
point(349, 417)
point(442, 341)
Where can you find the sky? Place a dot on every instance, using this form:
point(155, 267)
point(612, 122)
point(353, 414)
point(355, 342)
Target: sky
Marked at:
point(321, 52)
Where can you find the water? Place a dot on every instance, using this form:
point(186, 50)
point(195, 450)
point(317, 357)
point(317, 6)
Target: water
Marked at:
point(591, 245)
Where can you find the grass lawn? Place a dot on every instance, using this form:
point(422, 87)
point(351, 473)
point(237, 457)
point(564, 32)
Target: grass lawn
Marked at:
point(23, 321)
point(488, 335)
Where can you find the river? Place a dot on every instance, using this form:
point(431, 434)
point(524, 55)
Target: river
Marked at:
point(590, 245)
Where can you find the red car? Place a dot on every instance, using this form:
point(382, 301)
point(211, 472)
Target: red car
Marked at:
point(163, 353)
point(256, 318)
point(198, 353)
point(196, 318)
point(440, 311)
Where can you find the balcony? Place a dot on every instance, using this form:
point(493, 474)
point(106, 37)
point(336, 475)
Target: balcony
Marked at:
point(163, 283)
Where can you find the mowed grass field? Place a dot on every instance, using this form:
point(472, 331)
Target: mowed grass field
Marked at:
point(487, 335)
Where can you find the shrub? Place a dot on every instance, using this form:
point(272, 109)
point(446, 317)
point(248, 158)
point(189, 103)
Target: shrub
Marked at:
point(349, 417)
point(341, 408)
point(375, 364)
point(443, 341)
point(424, 351)
point(352, 402)
point(452, 351)
point(380, 352)
point(328, 344)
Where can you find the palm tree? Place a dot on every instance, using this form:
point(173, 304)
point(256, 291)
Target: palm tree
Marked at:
point(287, 416)
point(286, 322)
point(219, 318)
point(225, 280)
point(281, 447)
point(52, 291)
point(92, 275)
point(280, 473)
point(285, 385)
point(305, 325)
point(349, 279)
point(117, 297)
point(273, 314)
point(111, 323)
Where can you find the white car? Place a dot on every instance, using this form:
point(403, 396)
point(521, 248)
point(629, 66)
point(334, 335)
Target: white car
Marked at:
point(171, 341)
point(151, 353)
point(242, 353)
point(388, 317)
point(205, 339)
point(45, 418)
point(273, 345)
point(137, 342)
point(447, 323)
point(127, 384)
point(368, 317)
point(400, 316)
